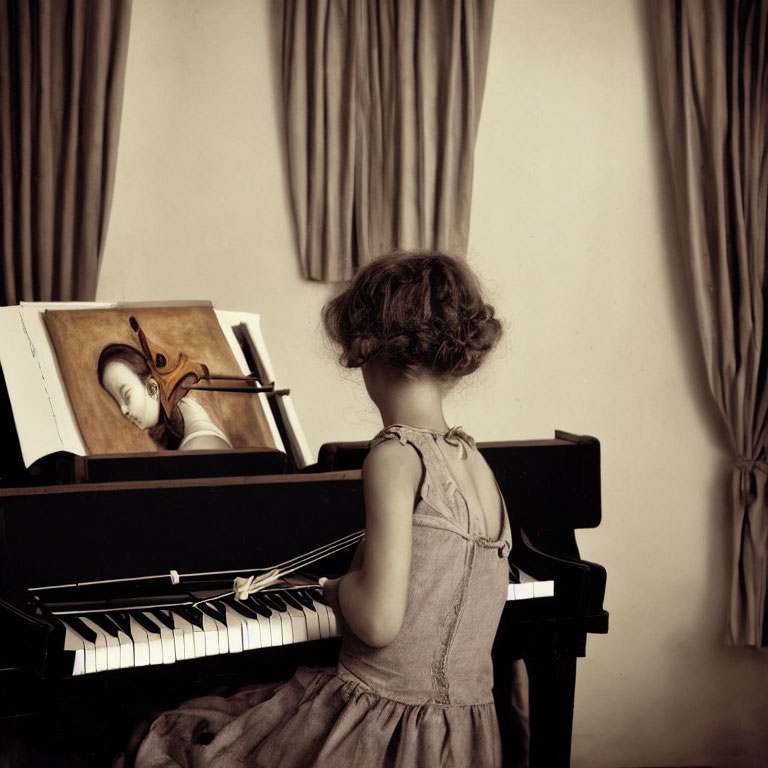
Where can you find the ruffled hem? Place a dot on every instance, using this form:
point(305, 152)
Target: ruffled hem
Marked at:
point(322, 720)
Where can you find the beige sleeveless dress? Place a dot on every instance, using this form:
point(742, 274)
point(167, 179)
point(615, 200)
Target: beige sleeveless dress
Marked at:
point(423, 701)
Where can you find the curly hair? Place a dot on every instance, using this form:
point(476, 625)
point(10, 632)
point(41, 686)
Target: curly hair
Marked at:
point(416, 311)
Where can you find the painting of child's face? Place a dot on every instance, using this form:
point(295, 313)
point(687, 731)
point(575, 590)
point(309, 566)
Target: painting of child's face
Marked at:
point(115, 398)
point(137, 400)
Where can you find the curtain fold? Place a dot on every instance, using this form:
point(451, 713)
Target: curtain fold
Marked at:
point(713, 86)
point(382, 104)
point(62, 72)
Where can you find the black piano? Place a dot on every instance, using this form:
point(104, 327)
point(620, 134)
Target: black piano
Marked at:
point(75, 532)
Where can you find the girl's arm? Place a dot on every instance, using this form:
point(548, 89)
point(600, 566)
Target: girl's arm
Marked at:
point(357, 558)
point(373, 599)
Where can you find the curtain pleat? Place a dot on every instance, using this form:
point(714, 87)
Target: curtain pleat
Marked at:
point(62, 72)
point(382, 105)
point(713, 86)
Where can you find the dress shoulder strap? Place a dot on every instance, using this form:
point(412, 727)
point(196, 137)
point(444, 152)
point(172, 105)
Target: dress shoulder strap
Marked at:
point(418, 436)
point(437, 489)
point(398, 432)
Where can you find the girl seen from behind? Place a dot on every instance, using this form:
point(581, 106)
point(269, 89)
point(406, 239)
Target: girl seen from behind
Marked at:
point(420, 605)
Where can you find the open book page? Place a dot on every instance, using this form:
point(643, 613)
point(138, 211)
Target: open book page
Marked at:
point(41, 409)
point(248, 327)
point(45, 419)
point(229, 321)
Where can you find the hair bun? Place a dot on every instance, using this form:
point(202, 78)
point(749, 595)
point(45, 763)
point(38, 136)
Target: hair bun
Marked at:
point(417, 312)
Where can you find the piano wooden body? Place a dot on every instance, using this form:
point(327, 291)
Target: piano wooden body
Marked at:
point(107, 523)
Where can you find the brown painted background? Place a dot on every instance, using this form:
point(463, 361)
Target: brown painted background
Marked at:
point(78, 336)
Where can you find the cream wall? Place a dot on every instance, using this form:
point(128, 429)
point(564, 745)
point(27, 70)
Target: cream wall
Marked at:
point(572, 231)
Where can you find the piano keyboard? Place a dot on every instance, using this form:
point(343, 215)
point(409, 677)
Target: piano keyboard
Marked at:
point(109, 640)
point(525, 587)
point(105, 640)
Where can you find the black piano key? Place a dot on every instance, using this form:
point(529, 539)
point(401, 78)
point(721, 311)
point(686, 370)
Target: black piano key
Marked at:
point(122, 620)
point(240, 607)
point(145, 623)
point(103, 621)
point(258, 605)
point(190, 614)
point(289, 598)
point(85, 632)
point(215, 612)
point(317, 594)
point(165, 619)
point(273, 600)
point(303, 597)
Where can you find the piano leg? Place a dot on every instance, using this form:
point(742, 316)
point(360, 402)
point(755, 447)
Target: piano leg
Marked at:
point(510, 693)
point(552, 690)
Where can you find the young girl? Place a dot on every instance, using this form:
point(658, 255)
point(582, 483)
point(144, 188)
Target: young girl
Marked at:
point(420, 605)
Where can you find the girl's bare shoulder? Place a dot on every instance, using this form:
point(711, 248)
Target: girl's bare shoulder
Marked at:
point(391, 460)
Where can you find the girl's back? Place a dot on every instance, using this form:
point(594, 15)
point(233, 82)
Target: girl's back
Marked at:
point(430, 689)
point(476, 484)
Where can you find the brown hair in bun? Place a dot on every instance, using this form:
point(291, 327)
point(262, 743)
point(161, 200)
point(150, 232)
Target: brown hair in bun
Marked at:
point(416, 311)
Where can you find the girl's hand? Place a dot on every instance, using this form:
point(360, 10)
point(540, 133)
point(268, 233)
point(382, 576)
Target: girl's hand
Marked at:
point(330, 590)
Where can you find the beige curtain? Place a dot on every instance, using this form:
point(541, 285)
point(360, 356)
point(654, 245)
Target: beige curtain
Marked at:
point(382, 103)
point(713, 83)
point(62, 69)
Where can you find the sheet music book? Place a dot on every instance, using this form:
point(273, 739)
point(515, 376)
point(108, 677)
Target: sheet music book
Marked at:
point(246, 332)
point(41, 388)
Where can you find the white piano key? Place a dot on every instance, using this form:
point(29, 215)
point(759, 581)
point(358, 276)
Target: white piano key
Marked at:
point(322, 618)
point(140, 644)
point(112, 642)
point(78, 666)
point(523, 591)
point(221, 629)
point(544, 588)
point(199, 636)
point(286, 626)
point(89, 651)
point(251, 630)
point(254, 638)
point(333, 629)
point(313, 623)
point(183, 646)
point(74, 642)
point(155, 641)
point(183, 641)
point(194, 642)
point(167, 645)
point(237, 630)
point(264, 639)
point(90, 658)
point(298, 625)
point(126, 650)
point(275, 628)
point(107, 647)
point(529, 588)
point(211, 634)
point(327, 620)
point(179, 642)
